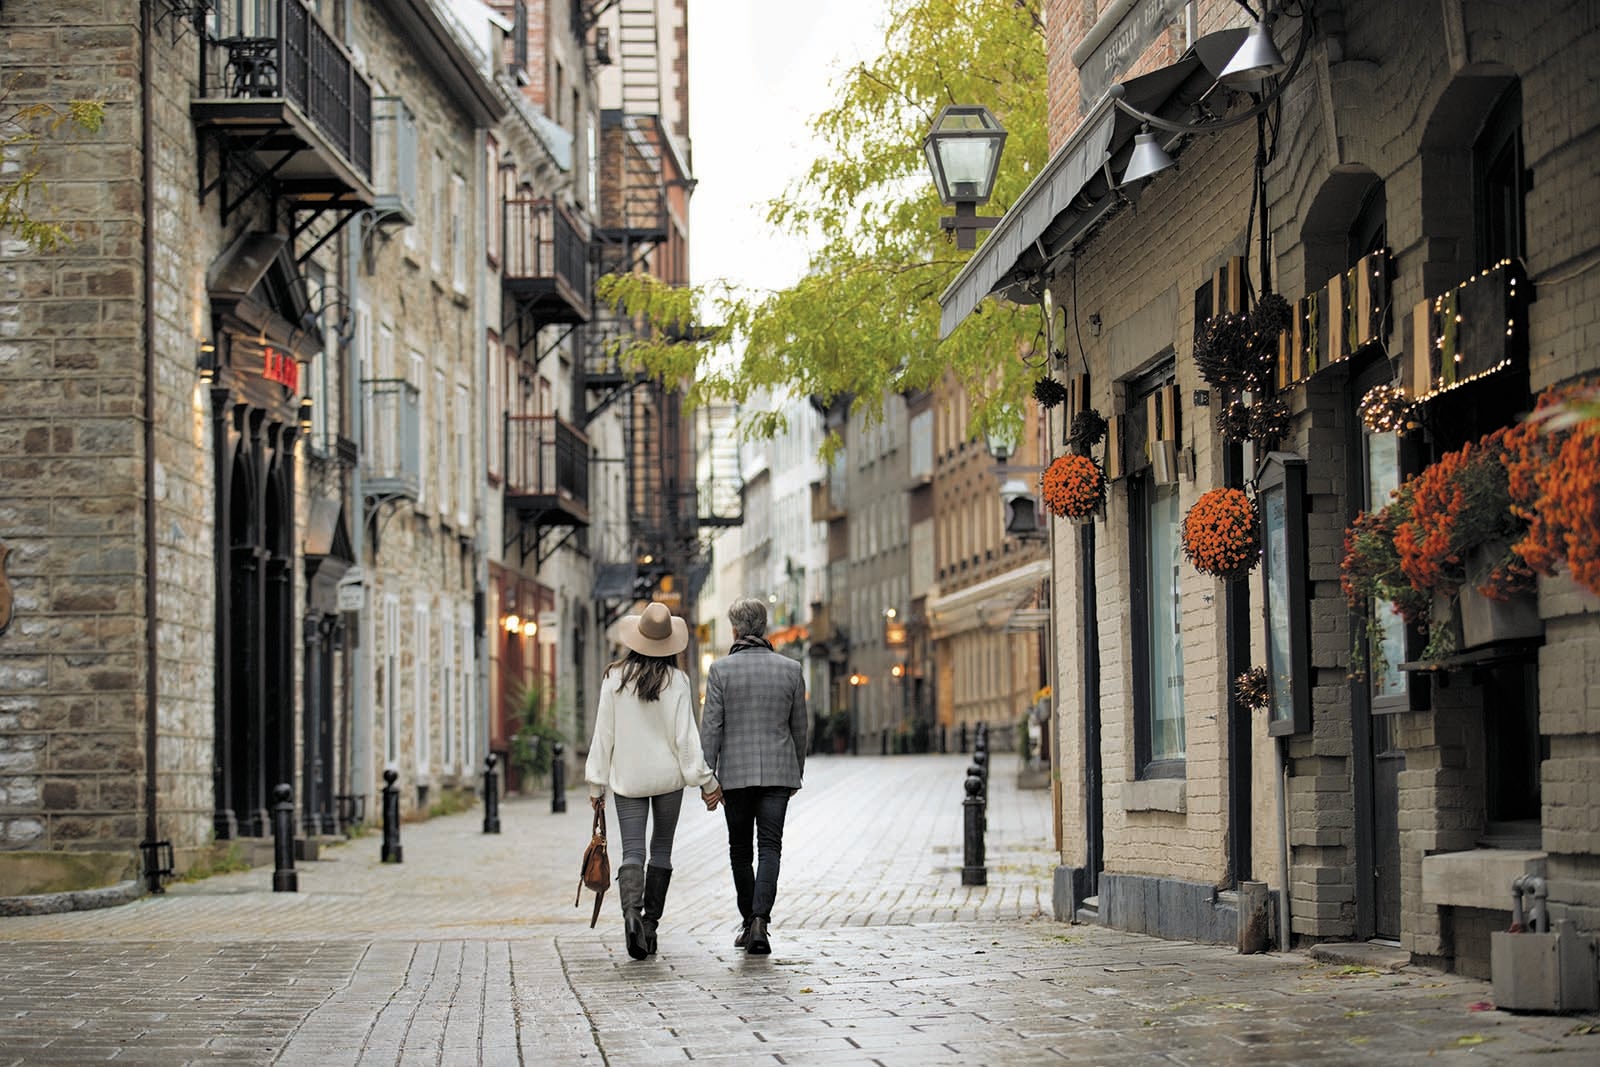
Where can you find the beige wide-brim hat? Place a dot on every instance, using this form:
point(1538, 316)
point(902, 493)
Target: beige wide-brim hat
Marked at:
point(654, 632)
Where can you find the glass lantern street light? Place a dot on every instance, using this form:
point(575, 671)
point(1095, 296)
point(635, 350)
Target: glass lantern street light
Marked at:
point(963, 152)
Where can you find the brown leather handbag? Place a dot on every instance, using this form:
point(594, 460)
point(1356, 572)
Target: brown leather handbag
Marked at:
point(596, 872)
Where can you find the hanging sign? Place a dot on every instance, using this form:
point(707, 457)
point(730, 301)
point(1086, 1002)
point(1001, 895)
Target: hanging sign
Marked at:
point(352, 591)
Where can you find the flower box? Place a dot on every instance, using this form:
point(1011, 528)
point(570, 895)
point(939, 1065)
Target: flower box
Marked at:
point(1485, 620)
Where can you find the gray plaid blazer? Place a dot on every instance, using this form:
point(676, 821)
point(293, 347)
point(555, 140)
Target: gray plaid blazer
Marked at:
point(755, 722)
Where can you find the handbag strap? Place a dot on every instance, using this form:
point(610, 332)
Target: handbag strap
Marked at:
point(600, 822)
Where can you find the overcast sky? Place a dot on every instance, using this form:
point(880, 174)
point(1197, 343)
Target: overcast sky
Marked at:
point(759, 70)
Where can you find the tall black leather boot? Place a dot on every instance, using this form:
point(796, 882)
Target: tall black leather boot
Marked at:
point(656, 881)
point(630, 890)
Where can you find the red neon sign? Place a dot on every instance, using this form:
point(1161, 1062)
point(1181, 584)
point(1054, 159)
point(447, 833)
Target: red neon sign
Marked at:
point(280, 368)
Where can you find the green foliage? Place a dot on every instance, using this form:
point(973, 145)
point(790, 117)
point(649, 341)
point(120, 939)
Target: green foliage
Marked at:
point(863, 323)
point(533, 748)
point(451, 802)
point(23, 130)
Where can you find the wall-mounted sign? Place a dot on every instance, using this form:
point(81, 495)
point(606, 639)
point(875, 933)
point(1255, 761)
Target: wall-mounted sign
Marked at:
point(549, 621)
point(352, 593)
point(280, 367)
point(1282, 484)
point(1109, 54)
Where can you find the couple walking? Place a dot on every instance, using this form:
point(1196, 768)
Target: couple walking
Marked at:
point(747, 757)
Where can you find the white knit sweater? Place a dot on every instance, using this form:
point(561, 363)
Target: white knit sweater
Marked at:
point(645, 747)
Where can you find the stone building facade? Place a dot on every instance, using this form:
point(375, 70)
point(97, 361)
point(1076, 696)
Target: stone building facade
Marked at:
point(1410, 153)
point(246, 460)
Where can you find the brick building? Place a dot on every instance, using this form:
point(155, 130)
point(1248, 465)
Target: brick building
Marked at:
point(1408, 153)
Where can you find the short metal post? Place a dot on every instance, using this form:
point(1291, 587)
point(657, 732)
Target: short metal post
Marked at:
point(491, 795)
point(883, 743)
point(944, 738)
point(284, 878)
point(558, 780)
point(391, 817)
point(963, 737)
point(973, 871)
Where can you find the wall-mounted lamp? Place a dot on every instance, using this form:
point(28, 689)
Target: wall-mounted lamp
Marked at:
point(1094, 325)
point(305, 416)
point(963, 153)
point(205, 361)
point(858, 679)
point(898, 670)
point(512, 624)
point(1249, 64)
point(530, 628)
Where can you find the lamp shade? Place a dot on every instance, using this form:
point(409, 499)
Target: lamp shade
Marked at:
point(1148, 158)
point(963, 152)
point(1256, 59)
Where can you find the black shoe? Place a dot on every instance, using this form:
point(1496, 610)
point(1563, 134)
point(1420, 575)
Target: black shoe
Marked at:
point(757, 944)
point(744, 935)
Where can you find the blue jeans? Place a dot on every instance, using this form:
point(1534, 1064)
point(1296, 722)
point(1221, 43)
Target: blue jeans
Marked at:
point(760, 809)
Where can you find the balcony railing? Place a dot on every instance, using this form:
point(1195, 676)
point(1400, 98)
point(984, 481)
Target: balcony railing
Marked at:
point(304, 64)
point(547, 259)
point(547, 466)
point(392, 458)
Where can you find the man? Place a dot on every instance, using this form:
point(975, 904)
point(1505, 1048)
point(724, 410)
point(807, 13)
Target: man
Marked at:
point(753, 732)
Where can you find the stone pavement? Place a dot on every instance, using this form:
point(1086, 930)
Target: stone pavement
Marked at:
point(472, 952)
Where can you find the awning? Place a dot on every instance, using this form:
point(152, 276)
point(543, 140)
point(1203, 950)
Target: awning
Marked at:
point(1073, 192)
point(989, 603)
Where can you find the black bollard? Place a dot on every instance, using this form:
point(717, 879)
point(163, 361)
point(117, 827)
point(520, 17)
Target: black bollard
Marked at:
point(391, 817)
point(944, 738)
point(491, 795)
point(973, 871)
point(963, 737)
point(284, 878)
point(558, 781)
point(980, 760)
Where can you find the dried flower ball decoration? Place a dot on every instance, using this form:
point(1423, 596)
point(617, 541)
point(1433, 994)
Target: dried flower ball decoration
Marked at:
point(1222, 534)
point(1386, 409)
point(1270, 420)
point(1233, 423)
point(1049, 392)
point(1221, 351)
point(1087, 430)
point(1073, 486)
point(1253, 688)
point(1270, 317)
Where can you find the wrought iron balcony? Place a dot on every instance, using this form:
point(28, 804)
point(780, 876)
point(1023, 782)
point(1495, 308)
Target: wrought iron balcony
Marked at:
point(547, 470)
point(392, 459)
point(394, 162)
point(546, 264)
point(293, 106)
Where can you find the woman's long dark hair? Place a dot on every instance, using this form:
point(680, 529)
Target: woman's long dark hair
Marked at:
point(647, 674)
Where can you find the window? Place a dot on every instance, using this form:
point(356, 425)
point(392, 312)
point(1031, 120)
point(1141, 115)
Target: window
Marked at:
point(496, 405)
point(1500, 182)
point(443, 451)
point(448, 691)
point(465, 473)
point(458, 233)
point(467, 671)
point(440, 220)
point(1156, 567)
point(422, 690)
point(420, 380)
point(493, 220)
point(388, 686)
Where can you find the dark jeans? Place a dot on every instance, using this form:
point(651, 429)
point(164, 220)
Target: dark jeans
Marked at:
point(760, 809)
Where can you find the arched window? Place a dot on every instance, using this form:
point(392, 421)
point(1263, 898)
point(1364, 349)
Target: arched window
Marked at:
point(1500, 182)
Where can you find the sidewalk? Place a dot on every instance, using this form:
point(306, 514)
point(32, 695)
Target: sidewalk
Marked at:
point(472, 952)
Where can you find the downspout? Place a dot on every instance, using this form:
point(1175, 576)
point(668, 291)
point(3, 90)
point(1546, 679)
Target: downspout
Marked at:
point(360, 758)
point(152, 691)
point(484, 182)
point(1284, 928)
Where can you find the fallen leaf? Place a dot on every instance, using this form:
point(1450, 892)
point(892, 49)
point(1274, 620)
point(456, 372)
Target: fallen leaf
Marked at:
point(805, 989)
point(1471, 1039)
point(1583, 1029)
point(1481, 1005)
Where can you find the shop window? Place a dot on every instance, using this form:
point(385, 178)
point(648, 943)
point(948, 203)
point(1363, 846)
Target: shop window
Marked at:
point(1155, 568)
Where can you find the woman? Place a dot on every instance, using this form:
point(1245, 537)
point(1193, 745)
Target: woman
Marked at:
point(646, 749)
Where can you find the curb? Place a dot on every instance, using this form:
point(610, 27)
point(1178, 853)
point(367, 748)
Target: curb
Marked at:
point(79, 900)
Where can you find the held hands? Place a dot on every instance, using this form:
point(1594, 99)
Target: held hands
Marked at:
point(712, 798)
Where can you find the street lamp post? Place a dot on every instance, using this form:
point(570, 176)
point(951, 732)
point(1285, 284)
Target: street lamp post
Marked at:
point(963, 152)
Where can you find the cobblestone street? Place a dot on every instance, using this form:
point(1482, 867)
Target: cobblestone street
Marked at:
point(471, 951)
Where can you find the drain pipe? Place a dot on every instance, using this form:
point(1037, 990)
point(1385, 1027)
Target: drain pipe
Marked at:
point(152, 691)
point(1283, 844)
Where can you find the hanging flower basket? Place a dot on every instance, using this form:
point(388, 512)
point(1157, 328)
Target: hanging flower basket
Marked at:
point(1222, 534)
point(1073, 487)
